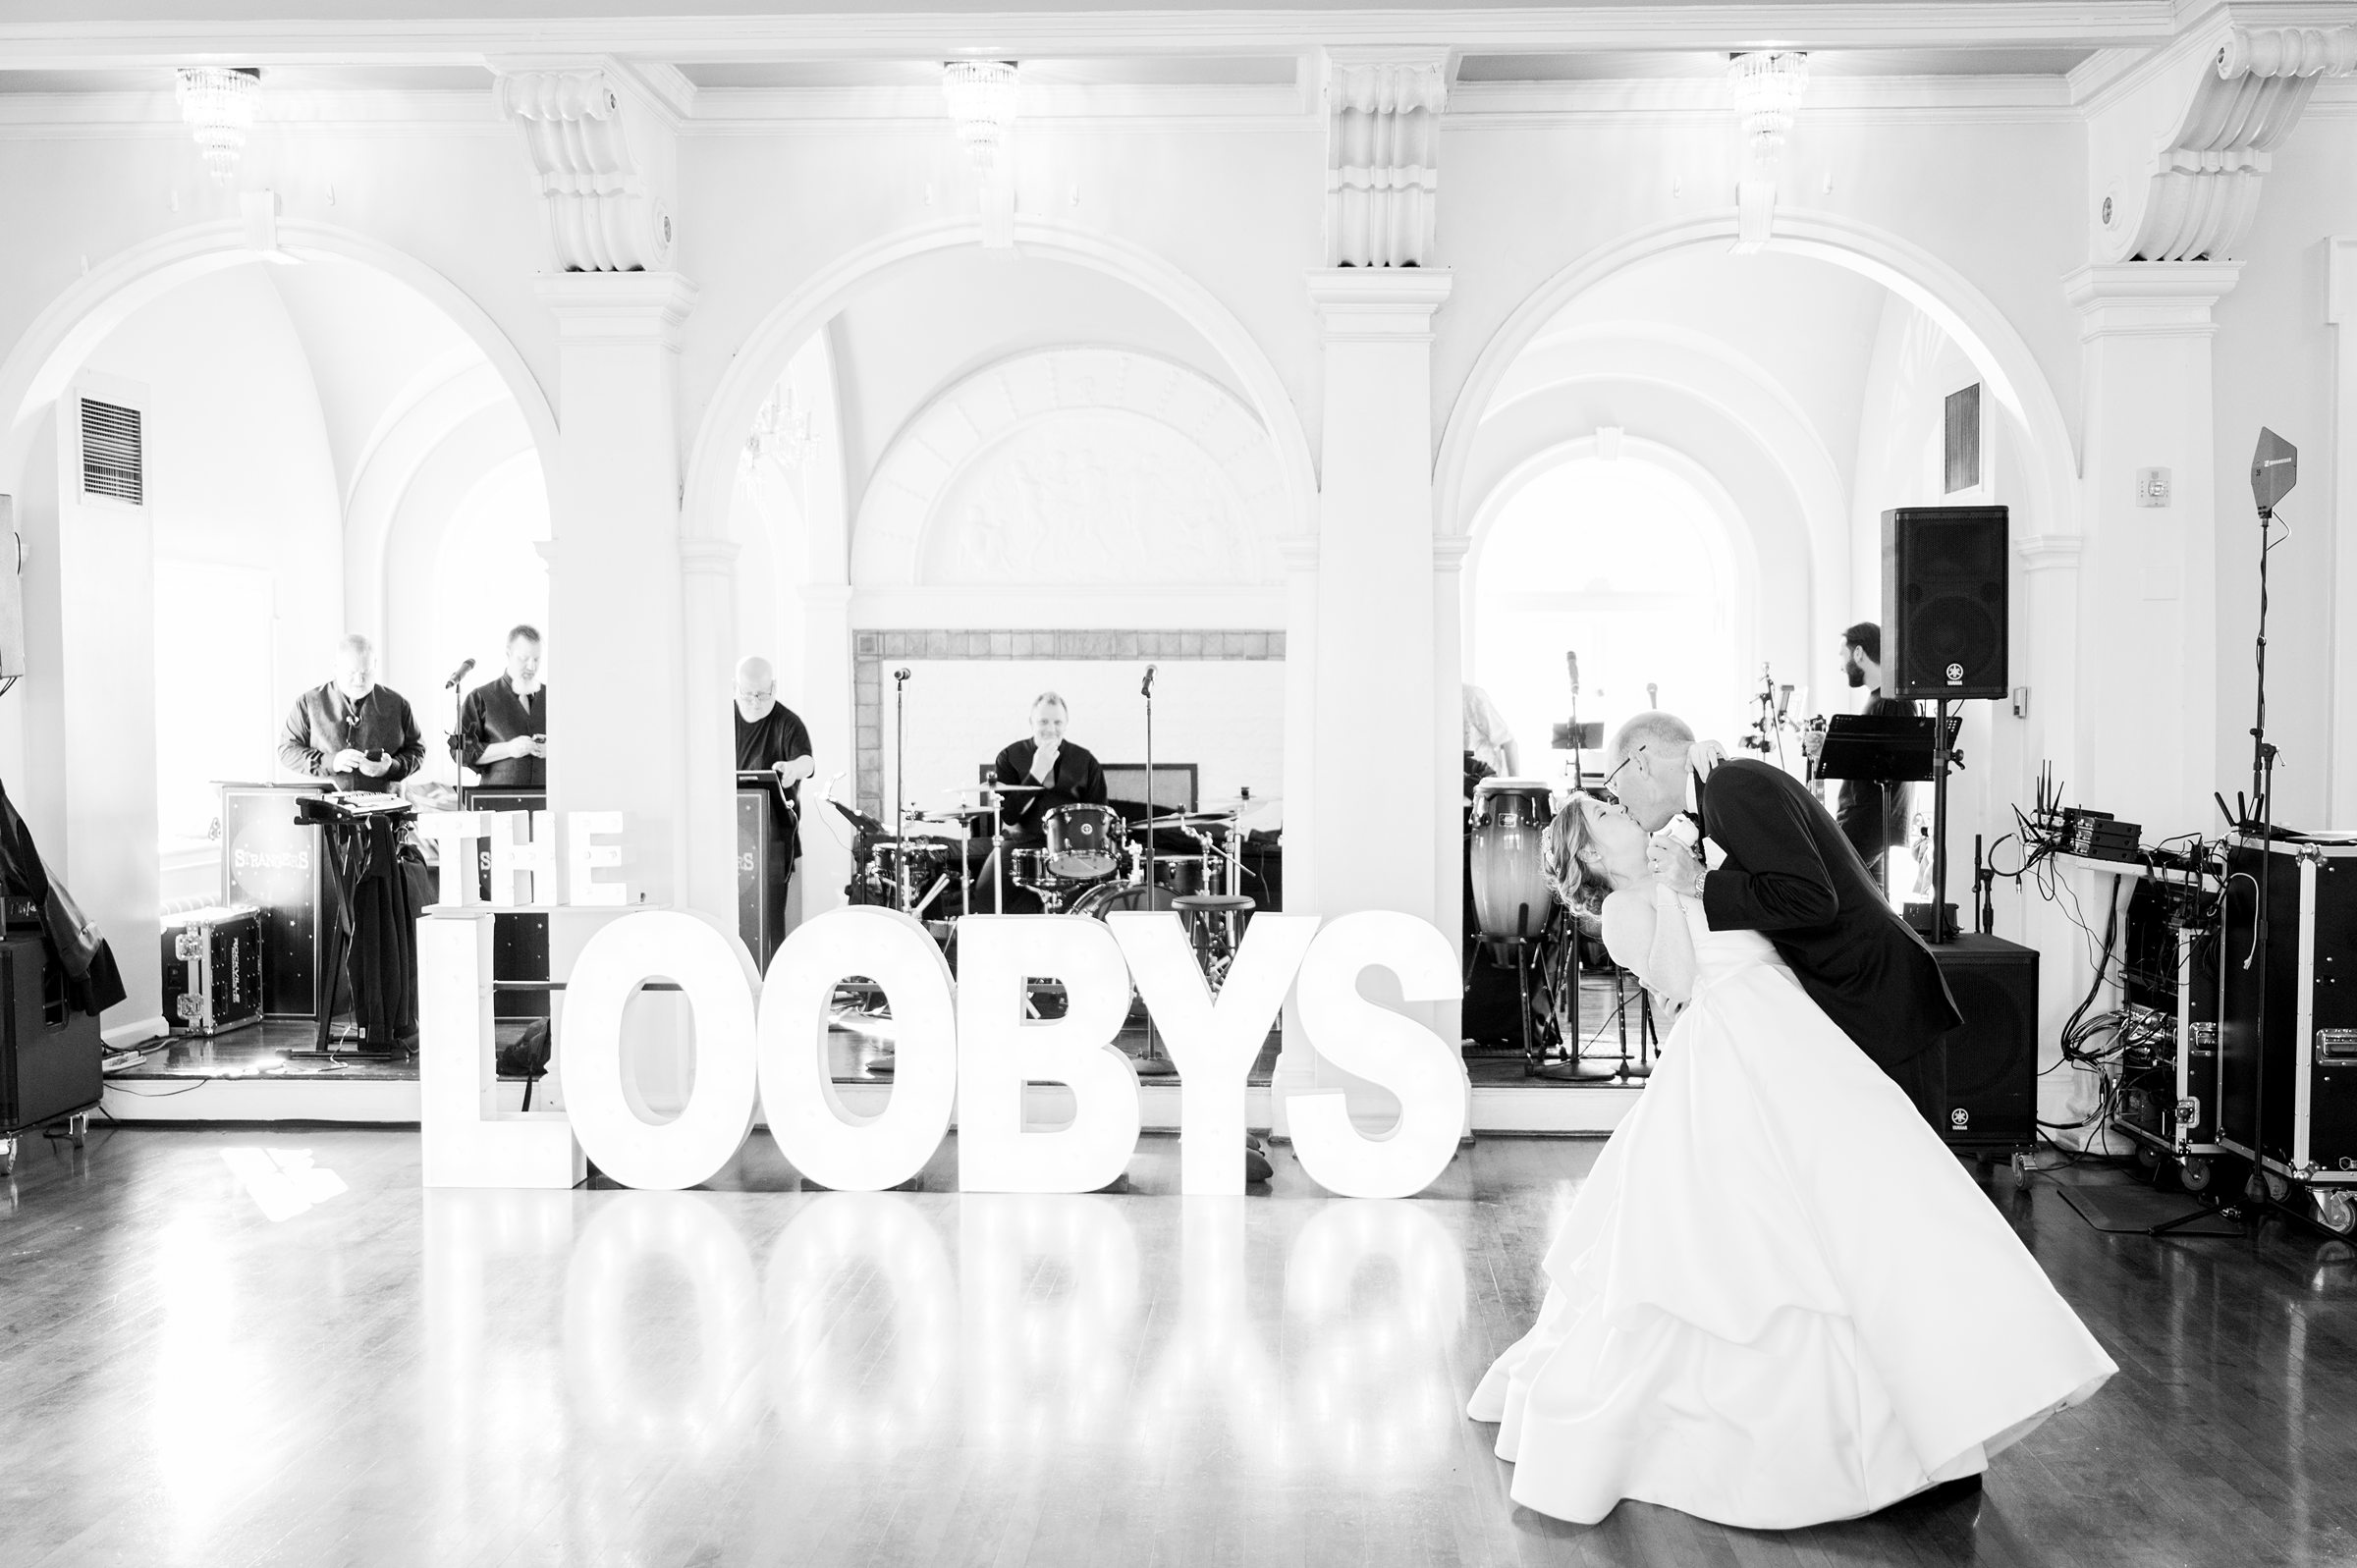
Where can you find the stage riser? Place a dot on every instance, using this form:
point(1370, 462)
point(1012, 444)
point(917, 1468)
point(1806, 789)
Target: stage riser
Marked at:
point(390, 1101)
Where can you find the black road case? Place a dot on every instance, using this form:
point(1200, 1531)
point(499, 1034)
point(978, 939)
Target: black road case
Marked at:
point(212, 970)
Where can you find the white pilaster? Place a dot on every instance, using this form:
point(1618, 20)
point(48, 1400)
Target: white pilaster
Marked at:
point(619, 742)
point(2340, 313)
point(708, 604)
point(2148, 598)
point(826, 867)
point(1447, 759)
point(1376, 793)
point(1297, 1063)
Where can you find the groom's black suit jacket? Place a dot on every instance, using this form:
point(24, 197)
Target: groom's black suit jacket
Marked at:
point(1791, 875)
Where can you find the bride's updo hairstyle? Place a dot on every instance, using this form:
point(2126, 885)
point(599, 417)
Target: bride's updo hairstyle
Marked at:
point(1571, 864)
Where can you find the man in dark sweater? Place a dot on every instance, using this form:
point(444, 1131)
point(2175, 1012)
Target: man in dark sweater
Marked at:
point(353, 730)
point(1873, 816)
point(503, 726)
point(770, 737)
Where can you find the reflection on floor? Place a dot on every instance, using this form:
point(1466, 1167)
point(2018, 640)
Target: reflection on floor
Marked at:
point(272, 1348)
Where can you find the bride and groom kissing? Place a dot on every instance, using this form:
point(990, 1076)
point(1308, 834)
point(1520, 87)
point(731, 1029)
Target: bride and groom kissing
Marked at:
point(1777, 1299)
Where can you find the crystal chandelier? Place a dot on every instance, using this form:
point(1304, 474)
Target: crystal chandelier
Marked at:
point(218, 103)
point(1767, 86)
point(780, 433)
point(982, 101)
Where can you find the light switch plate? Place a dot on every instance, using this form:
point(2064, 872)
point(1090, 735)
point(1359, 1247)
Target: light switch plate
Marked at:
point(2152, 487)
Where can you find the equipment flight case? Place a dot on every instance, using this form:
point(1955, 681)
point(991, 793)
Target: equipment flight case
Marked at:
point(213, 970)
point(50, 1056)
point(2169, 1085)
point(2288, 1086)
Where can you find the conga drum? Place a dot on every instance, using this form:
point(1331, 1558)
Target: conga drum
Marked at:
point(1507, 856)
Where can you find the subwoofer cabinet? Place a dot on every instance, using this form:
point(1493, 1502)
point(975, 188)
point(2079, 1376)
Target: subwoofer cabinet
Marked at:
point(2288, 1080)
point(1992, 1059)
point(50, 1056)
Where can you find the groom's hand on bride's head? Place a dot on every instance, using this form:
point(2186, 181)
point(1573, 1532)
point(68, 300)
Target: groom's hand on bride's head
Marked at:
point(1674, 864)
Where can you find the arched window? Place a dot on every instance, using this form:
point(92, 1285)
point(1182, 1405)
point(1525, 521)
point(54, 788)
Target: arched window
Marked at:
point(1624, 563)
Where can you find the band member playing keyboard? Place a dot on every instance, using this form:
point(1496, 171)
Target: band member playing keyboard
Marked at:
point(352, 729)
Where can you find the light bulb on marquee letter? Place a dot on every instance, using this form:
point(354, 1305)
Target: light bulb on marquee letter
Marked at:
point(998, 1053)
point(1379, 1045)
point(816, 1133)
point(614, 1127)
point(1213, 1040)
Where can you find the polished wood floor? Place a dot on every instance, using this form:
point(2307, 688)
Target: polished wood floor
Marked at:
point(270, 1347)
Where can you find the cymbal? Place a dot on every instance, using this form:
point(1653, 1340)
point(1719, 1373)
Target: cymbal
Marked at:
point(958, 812)
point(1187, 820)
point(1013, 789)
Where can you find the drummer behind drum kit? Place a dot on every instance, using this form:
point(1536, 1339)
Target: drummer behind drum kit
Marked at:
point(1091, 863)
point(1521, 911)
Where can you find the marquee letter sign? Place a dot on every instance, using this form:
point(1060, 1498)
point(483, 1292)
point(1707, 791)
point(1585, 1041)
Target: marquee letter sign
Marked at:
point(964, 1044)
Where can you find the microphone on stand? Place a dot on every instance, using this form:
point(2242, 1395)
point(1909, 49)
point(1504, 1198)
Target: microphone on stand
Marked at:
point(1146, 687)
point(901, 673)
point(456, 675)
point(1571, 663)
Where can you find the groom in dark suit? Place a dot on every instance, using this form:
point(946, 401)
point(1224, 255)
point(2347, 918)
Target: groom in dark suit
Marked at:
point(1791, 875)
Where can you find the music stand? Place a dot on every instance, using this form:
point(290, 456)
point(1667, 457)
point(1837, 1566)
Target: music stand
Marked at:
point(1883, 748)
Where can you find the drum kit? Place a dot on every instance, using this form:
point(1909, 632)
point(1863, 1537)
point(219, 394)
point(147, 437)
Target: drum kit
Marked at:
point(1522, 914)
point(1090, 862)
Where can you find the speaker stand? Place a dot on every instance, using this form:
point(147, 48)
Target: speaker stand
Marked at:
point(1941, 932)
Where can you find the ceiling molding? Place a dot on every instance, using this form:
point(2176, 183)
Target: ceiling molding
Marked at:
point(870, 33)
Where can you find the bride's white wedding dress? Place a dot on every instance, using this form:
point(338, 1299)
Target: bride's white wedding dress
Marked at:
point(1777, 1300)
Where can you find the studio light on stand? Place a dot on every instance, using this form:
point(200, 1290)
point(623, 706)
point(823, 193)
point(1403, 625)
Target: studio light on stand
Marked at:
point(218, 103)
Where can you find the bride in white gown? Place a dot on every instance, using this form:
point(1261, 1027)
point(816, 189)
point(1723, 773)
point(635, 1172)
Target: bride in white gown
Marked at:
point(1777, 1299)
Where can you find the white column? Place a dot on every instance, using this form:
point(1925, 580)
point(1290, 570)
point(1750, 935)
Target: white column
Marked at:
point(708, 603)
point(2148, 608)
point(618, 735)
point(826, 867)
point(2050, 569)
point(1376, 794)
point(1449, 762)
point(619, 740)
point(2340, 312)
point(1297, 1063)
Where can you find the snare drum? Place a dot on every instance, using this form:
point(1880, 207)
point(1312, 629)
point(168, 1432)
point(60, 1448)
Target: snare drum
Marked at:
point(1506, 857)
point(927, 860)
point(1083, 841)
point(1028, 868)
point(1180, 874)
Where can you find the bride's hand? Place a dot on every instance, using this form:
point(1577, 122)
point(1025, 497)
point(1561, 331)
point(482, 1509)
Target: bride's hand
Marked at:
point(1706, 755)
point(1674, 865)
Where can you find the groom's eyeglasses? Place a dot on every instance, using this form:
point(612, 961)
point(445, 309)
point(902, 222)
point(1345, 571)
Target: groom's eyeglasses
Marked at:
point(1616, 772)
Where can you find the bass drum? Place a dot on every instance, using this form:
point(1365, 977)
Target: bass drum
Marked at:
point(1119, 898)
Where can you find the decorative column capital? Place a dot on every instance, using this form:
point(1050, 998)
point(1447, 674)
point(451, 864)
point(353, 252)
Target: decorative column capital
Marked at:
point(2149, 299)
point(604, 214)
point(1449, 552)
point(701, 557)
point(1380, 303)
point(1382, 146)
point(613, 310)
point(2226, 100)
point(2049, 551)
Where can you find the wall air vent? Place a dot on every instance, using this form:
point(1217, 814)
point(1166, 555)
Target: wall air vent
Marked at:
point(112, 462)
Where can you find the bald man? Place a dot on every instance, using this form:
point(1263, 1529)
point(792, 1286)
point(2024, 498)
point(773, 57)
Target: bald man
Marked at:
point(352, 731)
point(770, 738)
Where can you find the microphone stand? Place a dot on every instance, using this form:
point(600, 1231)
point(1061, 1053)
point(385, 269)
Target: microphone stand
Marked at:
point(1152, 1064)
point(900, 785)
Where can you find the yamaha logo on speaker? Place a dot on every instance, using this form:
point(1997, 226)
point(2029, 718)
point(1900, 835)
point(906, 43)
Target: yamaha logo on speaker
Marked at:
point(1959, 1119)
point(1956, 675)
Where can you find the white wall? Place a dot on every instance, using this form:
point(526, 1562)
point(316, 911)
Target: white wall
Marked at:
point(1225, 716)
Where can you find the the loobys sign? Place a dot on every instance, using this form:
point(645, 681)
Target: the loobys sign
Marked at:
point(964, 1045)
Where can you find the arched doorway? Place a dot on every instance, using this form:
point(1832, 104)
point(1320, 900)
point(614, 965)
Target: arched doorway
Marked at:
point(259, 414)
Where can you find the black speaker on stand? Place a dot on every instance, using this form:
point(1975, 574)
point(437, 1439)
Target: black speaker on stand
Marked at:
point(1945, 628)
